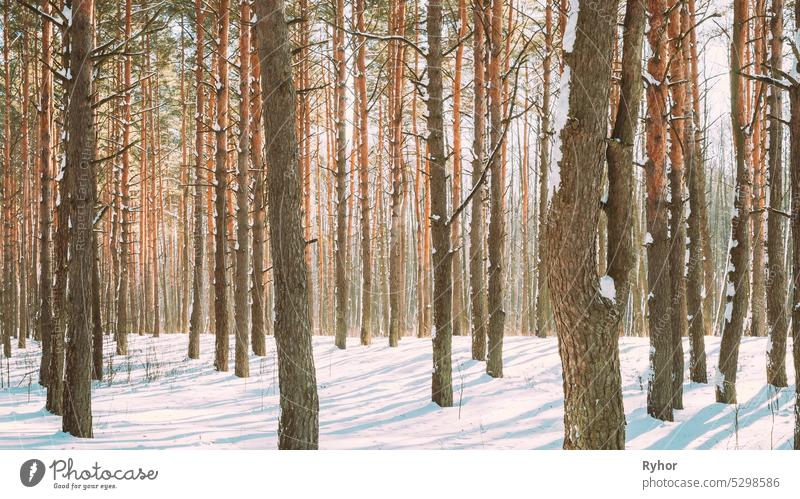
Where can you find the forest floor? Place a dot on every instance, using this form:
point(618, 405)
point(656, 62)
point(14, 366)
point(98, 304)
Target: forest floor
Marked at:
point(378, 398)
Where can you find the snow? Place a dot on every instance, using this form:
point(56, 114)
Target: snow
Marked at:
point(650, 80)
point(559, 120)
point(729, 311)
point(648, 239)
point(378, 397)
point(607, 288)
point(572, 23)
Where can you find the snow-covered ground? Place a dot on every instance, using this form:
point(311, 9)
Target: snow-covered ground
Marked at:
point(378, 398)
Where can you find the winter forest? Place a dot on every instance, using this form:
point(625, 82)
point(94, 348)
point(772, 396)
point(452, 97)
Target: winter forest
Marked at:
point(508, 224)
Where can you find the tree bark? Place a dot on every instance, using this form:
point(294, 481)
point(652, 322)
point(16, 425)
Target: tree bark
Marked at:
point(497, 235)
point(299, 420)
point(677, 227)
point(477, 232)
point(396, 271)
point(441, 383)
point(695, 285)
point(794, 155)
point(196, 310)
point(363, 180)
point(79, 193)
point(459, 310)
point(777, 315)
point(220, 188)
point(587, 321)
point(259, 208)
point(659, 400)
point(738, 273)
point(341, 179)
point(241, 292)
point(45, 317)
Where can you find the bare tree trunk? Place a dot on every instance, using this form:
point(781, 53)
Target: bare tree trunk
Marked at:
point(497, 235)
point(477, 233)
point(677, 226)
point(220, 188)
point(460, 317)
point(794, 155)
point(7, 208)
point(758, 305)
point(242, 308)
point(396, 271)
point(695, 285)
point(45, 317)
point(122, 292)
point(543, 309)
point(441, 383)
point(738, 273)
point(299, 420)
point(363, 180)
point(777, 315)
point(79, 193)
point(587, 311)
point(341, 179)
point(659, 400)
point(259, 208)
point(196, 310)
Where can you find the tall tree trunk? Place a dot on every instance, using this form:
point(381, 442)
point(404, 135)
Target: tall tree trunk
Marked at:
point(758, 306)
point(441, 383)
point(341, 178)
point(122, 293)
point(497, 230)
point(659, 400)
point(587, 311)
point(459, 310)
point(695, 285)
point(477, 231)
point(242, 308)
point(183, 323)
point(299, 421)
point(45, 316)
point(677, 227)
point(259, 213)
point(738, 273)
point(220, 190)
point(24, 209)
point(363, 179)
point(542, 295)
point(396, 270)
point(196, 313)
point(794, 155)
point(79, 193)
point(777, 315)
point(7, 209)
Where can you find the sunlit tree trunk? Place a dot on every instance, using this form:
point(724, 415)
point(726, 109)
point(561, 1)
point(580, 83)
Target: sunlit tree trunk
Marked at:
point(677, 226)
point(78, 196)
point(220, 187)
point(299, 419)
point(695, 284)
point(777, 315)
point(196, 309)
point(497, 314)
point(587, 313)
point(659, 400)
point(477, 233)
point(737, 280)
point(341, 178)
point(259, 214)
point(45, 316)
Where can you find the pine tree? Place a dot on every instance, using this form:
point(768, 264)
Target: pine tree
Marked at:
point(299, 421)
